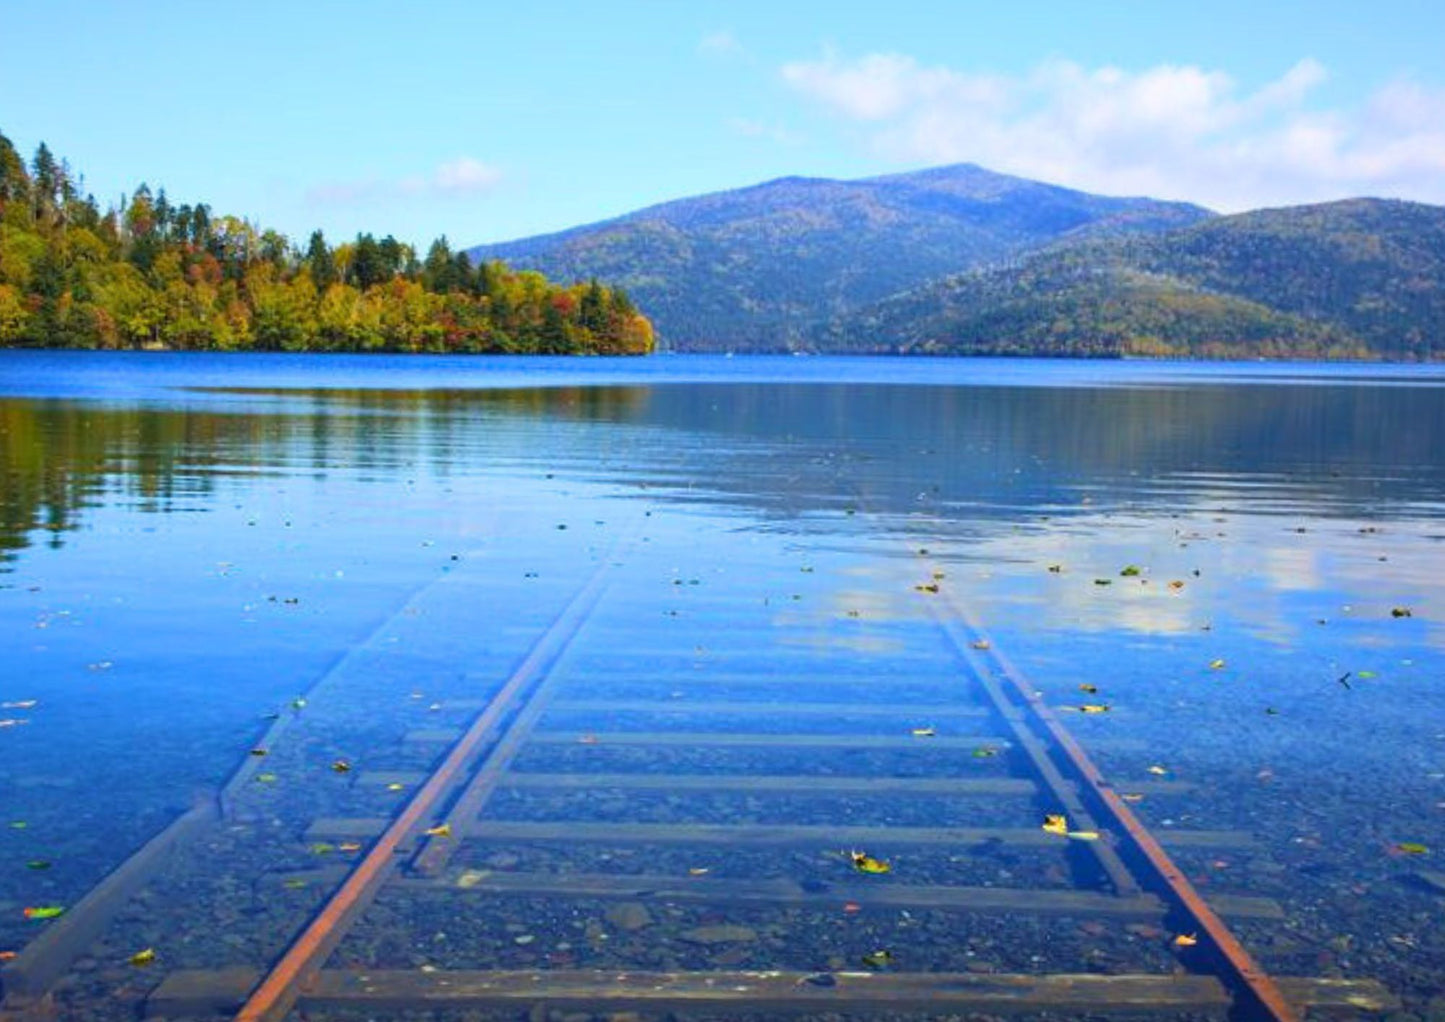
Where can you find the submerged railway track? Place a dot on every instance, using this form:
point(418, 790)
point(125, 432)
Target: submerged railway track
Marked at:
point(977, 729)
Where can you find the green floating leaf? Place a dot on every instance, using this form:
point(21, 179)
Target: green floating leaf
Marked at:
point(1131, 570)
point(38, 864)
point(1412, 848)
point(44, 912)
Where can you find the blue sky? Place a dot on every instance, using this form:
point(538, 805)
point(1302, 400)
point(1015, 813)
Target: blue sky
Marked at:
point(487, 121)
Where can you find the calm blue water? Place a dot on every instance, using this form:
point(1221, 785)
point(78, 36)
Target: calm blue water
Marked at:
point(188, 543)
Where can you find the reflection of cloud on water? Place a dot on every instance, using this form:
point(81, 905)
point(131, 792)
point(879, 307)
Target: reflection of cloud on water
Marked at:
point(1256, 576)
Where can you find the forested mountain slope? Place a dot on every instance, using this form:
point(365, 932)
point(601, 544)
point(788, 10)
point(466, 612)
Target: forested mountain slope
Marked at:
point(757, 268)
point(1358, 278)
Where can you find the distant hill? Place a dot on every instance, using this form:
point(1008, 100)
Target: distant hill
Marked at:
point(1360, 278)
point(757, 268)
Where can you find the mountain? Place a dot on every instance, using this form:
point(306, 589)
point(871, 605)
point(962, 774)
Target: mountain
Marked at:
point(1360, 278)
point(755, 268)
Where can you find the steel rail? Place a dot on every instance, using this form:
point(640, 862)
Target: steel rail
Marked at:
point(1245, 973)
point(277, 993)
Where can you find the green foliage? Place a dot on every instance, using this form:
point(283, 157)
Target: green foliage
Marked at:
point(159, 275)
point(1357, 279)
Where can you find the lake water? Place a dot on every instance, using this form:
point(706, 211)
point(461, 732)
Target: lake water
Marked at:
point(191, 544)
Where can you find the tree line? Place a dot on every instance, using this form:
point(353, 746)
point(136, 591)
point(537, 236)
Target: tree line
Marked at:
point(150, 273)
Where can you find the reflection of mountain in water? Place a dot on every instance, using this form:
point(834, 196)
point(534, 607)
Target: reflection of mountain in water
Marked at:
point(986, 452)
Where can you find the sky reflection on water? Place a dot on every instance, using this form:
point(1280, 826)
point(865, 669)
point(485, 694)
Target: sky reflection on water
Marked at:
point(178, 558)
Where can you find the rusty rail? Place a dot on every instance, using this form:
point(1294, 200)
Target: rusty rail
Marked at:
point(278, 991)
point(1240, 966)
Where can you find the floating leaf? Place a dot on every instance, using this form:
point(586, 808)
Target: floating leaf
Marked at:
point(341, 766)
point(6, 956)
point(18, 824)
point(865, 863)
point(981, 644)
point(699, 871)
point(143, 958)
point(322, 848)
point(1401, 612)
point(349, 846)
point(1412, 848)
point(1131, 571)
point(1176, 585)
point(1056, 568)
point(928, 587)
point(258, 751)
point(852, 907)
point(1103, 581)
point(879, 959)
point(299, 703)
point(924, 732)
point(1089, 689)
point(1132, 797)
point(444, 830)
point(38, 864)
point(396, 786)
point(1158, 771)
point(44, 912)
point(1217, 665)
point(1056, 823)
point(1083, 835)
point(293, 884)
point(21, 704)
point(266, 778)
point(1367, 675)
point(1094, 708)
point(985, 752)
point(1186, 940)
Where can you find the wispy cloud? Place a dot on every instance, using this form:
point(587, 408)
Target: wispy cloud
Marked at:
point(772, 131)
point(1178, 131)
point(720, 44)
point(463, 177)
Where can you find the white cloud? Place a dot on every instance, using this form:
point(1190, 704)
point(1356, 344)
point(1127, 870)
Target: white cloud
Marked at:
point(720, 44)
point(1176, 131)
point(771, 131)
point(459, 178)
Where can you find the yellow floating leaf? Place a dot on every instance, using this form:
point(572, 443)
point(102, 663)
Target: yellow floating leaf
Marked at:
point(1094, 708)
point(924, 732)
point(1056, 823)
point(1186, 940)
point(1083, 835)
point(864, 863)
point(1217, 665)
point(266, 778)
point(396, 786)
point(930, 587)
point(143, 958)
point(699, 871)
point(1412, 848)
point(444, 830)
